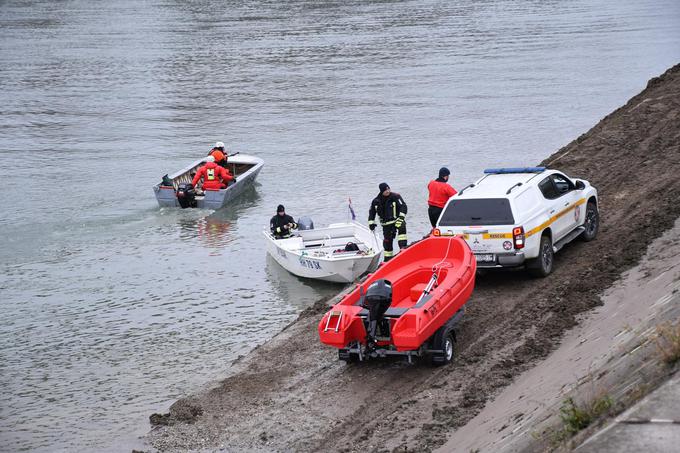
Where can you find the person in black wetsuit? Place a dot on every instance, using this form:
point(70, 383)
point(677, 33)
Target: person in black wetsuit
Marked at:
point(282, 224)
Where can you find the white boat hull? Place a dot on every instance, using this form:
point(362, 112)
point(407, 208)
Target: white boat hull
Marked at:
point(319, 254)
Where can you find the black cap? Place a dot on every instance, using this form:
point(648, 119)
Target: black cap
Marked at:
point(280, 208)
point(444, 172)
point(383, 187)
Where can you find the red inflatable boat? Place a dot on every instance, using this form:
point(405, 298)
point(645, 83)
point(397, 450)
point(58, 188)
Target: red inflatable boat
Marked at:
point(409, 306)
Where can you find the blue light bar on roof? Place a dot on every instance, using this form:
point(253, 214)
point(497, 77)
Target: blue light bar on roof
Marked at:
point(505, 171)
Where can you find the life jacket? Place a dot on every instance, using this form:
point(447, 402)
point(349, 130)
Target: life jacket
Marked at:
point(212, 176)
point(218, 155)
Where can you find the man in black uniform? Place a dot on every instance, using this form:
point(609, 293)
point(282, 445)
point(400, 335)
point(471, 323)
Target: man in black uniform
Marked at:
point(391, 209)
point(281, 224)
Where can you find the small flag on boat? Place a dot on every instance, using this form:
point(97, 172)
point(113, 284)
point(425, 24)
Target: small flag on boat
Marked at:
point(351, 209)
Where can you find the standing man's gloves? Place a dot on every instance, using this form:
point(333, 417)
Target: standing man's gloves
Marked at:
point(399, 222)
point(372, 226)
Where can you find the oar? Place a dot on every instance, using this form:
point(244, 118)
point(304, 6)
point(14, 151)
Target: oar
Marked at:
point(375, 235)
point(428, 288)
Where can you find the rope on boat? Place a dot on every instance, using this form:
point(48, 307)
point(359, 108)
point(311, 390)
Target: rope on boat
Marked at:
point(443, 264)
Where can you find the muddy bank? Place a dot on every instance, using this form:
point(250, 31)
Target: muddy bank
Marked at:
point(611, 354)
point(293, 394)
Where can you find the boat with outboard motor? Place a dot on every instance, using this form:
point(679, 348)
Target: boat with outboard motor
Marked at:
point(340, 253)
point(409, 306)
point(176, 191)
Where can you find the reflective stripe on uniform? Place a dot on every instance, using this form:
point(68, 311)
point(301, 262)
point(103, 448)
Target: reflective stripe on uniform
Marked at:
point(402, 237)
point(387, 223)
point(402, 215)
point(211, 174)
point(371, 222)
point(278, 229)
point(389, 254)
point(394, 210)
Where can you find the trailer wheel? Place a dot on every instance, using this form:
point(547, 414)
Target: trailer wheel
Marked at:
point(446, 345)
point(348, 357)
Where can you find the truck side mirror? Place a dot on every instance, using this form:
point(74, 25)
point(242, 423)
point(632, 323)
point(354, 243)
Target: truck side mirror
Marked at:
point(580, 185)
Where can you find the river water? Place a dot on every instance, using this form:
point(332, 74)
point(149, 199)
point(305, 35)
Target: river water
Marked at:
point(111, 307)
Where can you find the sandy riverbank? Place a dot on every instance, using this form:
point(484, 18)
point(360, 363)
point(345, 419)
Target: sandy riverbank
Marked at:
point(292, 394)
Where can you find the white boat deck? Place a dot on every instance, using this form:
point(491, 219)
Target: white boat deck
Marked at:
point(333, 247)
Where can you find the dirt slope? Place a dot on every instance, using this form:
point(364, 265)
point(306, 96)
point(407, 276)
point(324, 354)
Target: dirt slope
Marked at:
point(292, 394)
point(613, 352)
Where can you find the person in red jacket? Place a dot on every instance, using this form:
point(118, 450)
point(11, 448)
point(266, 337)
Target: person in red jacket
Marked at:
point(440, 192)
point(214, 177)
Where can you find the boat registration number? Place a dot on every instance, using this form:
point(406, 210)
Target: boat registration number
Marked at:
point(485, 258)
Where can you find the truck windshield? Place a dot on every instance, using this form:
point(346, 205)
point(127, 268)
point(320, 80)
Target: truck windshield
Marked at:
point(486, 211)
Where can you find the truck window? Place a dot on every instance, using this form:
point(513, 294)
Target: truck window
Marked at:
point(562, 183)
point(483, 211)
point(548, 189)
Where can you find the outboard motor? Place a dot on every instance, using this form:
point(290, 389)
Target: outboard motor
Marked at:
point(305, 223)
point(186, 195)
point(377, 300)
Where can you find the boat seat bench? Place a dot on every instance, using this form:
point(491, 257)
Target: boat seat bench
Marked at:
point(395, 312)
point(416, 291)
point(392, 312)
point(333, 242)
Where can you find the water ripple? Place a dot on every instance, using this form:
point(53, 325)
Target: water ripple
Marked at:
point(112, 307)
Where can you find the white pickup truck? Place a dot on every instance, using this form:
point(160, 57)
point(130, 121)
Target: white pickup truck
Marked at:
point(521, 216)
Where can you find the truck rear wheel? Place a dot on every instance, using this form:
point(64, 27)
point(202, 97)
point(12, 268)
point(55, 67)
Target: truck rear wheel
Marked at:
point(542, 265)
